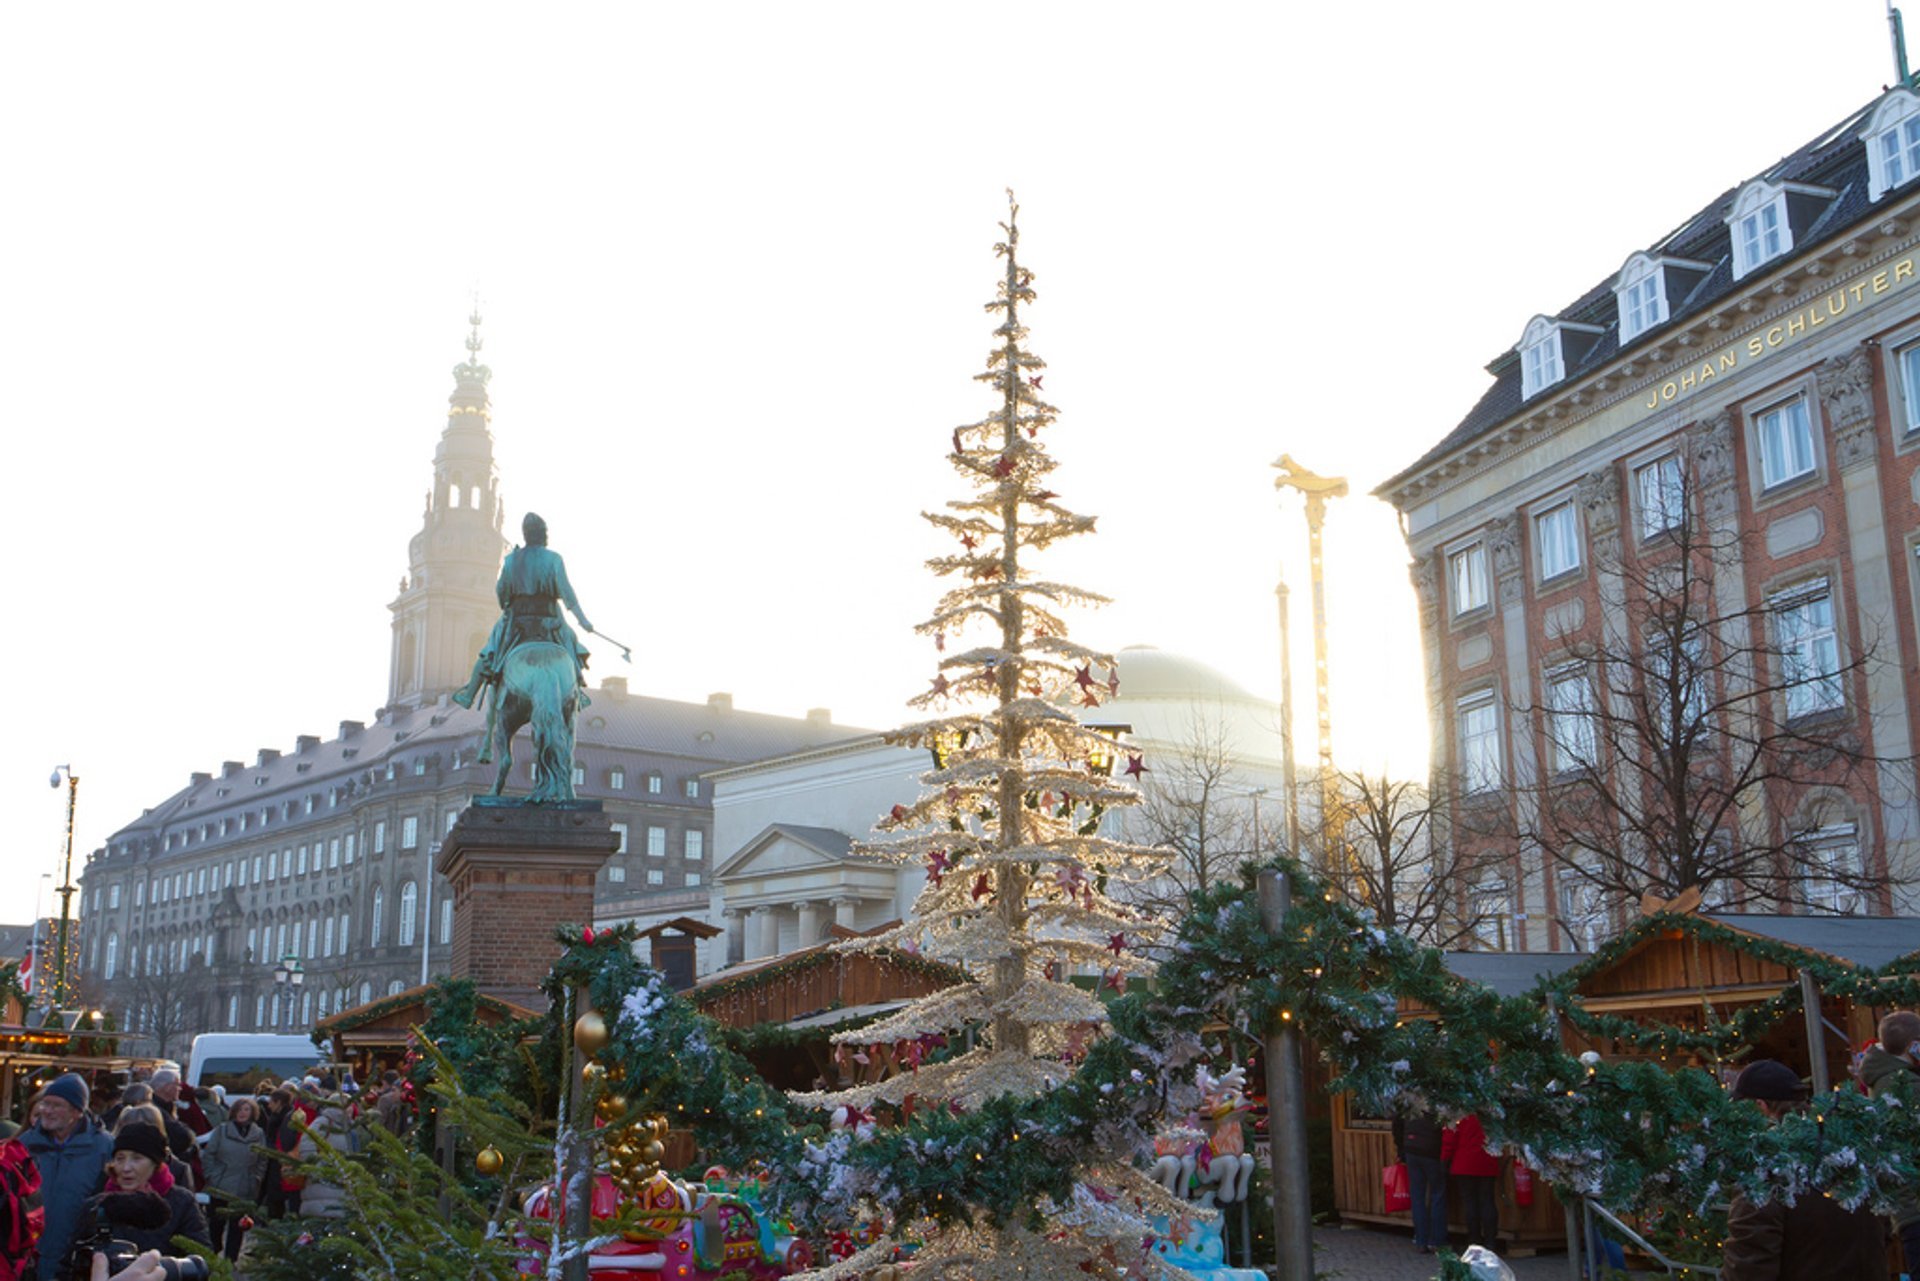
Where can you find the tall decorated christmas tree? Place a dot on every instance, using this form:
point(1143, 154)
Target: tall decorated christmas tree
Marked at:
point(1007, 827)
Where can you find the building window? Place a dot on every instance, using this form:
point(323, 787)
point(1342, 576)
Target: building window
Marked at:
point(303, 861)
point(1892, 136)
point(410, 832)
point(379, 906)
point(1678, 686)
point(257, 878)
point(1809, 650)
point(616, 875)
point(395, 987)
point(409, 908)
point(579, 776)
point(446, 919)
point(696, 844)
point(617, 780)
point(453, 816)
point(380, 837)
point(1540, 366)
point(1479, 720)
point(1467, 572)
point(366, 993)
point(1660, 487)
point(1570, 728)
point(1491, 905)
point(693, 789)
point(326, 939)
point(693, 878)
point(657, 842)
point(620, 834)
point(112, 962)
point(1835, 850)
point(1760, 235)
point(113, 895)
point(233, 1011)
point(1908, 359)
point(347, 854)
point(653, 783)
point(273, 865)
point(139, 893)
point(333, 853)
point(346, 933)
point(1643, 303)
point(253, 942)
point(313, 936)
point(1785, 437)
point(655, 876)
point(1557, 530)
point(1583, 909)
point(260, 1010)
point(419, 767)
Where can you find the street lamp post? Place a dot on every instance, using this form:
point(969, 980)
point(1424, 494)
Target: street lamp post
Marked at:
point(62, 981)
point(287, 978)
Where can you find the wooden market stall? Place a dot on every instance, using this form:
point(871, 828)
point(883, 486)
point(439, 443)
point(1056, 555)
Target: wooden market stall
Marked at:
point(1681, 971)
point(373, 1037)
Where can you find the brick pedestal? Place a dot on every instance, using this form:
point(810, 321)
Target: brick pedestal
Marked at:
point(517, 872)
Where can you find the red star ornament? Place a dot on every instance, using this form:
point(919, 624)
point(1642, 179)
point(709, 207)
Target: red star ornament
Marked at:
point(1084, 676)
point(1034, 380)
point(940, 683)
point(1117, 980)
point(1136, 765)
point(899, 812)
point(958, 448)
point(982, 888)
point(1043, 495)
point(1003, 466)
point(1089, 699)
point(1117, 944)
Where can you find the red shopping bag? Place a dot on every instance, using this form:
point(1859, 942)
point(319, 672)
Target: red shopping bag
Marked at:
point(1393, 1187)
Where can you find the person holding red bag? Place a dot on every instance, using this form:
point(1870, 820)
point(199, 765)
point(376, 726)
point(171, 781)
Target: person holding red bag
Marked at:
point(1476, 1168)
point(1419, 1141)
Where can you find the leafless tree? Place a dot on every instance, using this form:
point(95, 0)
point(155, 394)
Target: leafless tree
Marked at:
point(1697, 738)
point(1377, 850)
point(1199, 803)
point(163, 1000)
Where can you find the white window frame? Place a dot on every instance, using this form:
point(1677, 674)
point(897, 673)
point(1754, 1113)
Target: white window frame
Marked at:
point(616, 779)
point(373, 927)
point(1892, 139)
point(1583, 909)
point(656, 876)
point(410, 832)
point(692, 789)
point(1660, 495)
point(1831, 845)
point(409, 908)
point(1696, 672)
point(1542, 363)
point(380, 836)
point(1781, 431)
point(654, 783)
point(1906, 368)
point(620, 831)
point(1482, 760)
point(1556, 538)
point(1762, 232)
point(446, 919)
point(616, 874)
point(656, 842)
point(1490, 927)
point(1571, 732)
point(1469, 583)
point(693, 844)
point(1809, 646)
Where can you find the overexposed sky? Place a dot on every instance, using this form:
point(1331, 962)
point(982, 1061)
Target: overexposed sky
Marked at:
point(732, 260)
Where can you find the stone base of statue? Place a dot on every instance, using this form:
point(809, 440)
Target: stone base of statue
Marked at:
point(517, 872)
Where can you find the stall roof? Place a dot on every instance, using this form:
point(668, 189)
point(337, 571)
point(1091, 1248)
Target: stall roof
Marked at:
point(1869, 942)
point(1511, 973)
point(845, 1014)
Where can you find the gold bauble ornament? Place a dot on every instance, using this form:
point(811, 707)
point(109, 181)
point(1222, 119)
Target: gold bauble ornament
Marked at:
point(591, 1033)
point(489, 1161)
point(616, 1104)
point(593, 1073)
point(617, 1073)
point(653, 1152)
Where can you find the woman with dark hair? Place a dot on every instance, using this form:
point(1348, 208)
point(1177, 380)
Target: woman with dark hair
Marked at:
point(235, 1166)
point(143, 1203)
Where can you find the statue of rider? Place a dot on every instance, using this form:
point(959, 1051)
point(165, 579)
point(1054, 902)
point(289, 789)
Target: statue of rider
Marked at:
point(533, 586)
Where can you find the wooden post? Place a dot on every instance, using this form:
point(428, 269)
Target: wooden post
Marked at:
point(1287, 1117)
point(1816, 1031)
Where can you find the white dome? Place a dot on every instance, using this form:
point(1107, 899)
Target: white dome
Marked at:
point(1171, 702)
point(1150, 673)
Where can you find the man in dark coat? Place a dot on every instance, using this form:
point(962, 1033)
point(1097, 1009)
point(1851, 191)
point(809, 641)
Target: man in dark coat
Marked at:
point(1887, 1068)
point(532, 587)
point(72, 1153)
point(1814, 1239)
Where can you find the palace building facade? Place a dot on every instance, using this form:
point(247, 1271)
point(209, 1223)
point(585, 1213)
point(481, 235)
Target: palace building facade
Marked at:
point(1753, 379)
point(325, 853)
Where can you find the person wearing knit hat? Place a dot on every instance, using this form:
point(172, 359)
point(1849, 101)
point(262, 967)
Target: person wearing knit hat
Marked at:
point(1813, 1237)
point(71, 1151)
point(144, 1203)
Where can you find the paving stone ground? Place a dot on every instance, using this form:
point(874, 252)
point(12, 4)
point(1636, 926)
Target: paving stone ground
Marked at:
point(1372, 1254)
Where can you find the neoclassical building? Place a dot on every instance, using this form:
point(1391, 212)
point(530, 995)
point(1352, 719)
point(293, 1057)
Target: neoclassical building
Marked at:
point(324, 852)
point(1756, 371)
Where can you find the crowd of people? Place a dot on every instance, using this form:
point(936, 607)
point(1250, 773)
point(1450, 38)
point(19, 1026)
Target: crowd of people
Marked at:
point(1812, 1239)
point(159, 1161)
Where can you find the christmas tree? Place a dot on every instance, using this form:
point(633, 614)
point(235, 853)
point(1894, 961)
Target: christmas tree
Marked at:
point(1008, 829)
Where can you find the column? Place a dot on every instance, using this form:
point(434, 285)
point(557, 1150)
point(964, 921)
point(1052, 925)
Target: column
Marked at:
point(1710, 447)
point(767, 940)
point(843, 909)
point(733, 921)
point(757, 946)
point(1510, 575)
point(809, 924)
point(1846, 393)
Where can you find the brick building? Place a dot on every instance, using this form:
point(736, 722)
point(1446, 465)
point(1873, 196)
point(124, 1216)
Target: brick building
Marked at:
point(326, 852)
point(1753, 377)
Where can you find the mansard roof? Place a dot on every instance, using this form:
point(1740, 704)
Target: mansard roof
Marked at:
point(1835, 159)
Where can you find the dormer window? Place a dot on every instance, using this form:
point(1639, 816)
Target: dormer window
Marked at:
point(1767, 217)
point(1547, 348)
point(1647, 288)
point(1892, 136)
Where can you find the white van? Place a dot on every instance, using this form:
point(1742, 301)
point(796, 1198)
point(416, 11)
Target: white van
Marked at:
point(241, 1060)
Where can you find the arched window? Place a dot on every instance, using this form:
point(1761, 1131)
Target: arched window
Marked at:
point(395, 988)
point(113, 957)
point(259, 1010)
point(453, 494)
point(306, 1009)
point(233, 1011)
point(346, 934)
point(326, 939)
point(409, 909)
point(366, 993)
point(446, 919)
point(373, 931)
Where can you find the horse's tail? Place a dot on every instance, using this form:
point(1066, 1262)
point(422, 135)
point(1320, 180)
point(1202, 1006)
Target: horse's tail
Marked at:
point(551, 691)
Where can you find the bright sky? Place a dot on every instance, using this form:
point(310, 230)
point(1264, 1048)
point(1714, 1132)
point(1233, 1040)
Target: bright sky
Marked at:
point(732, 260)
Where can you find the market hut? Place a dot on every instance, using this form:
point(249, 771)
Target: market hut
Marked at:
point(373, 1037)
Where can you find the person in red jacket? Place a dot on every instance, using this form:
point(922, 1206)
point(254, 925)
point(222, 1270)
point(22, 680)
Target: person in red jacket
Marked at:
point(1475, 1170)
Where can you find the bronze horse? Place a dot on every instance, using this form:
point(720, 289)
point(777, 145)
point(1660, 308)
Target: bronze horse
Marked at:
point(537, 687)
